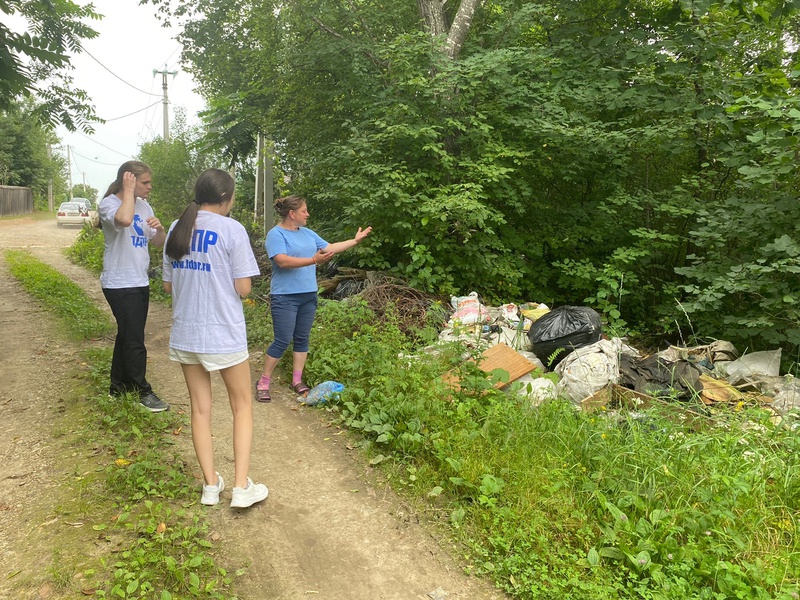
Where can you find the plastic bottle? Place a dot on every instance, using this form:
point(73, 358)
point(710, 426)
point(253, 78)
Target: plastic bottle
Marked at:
point(322, 392)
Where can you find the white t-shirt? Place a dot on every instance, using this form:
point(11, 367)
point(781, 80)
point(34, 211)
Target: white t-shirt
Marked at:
point(126, 257)
point(207, 314)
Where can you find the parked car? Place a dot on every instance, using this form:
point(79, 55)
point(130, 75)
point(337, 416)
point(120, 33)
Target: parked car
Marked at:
point(85, 202)
point(73, 213)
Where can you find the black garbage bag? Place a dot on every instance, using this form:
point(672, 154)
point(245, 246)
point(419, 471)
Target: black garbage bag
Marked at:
point(562, 330)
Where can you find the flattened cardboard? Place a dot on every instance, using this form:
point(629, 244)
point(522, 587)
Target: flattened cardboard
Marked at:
point(499, 356)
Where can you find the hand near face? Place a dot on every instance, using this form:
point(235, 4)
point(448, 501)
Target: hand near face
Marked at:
point(128, 182)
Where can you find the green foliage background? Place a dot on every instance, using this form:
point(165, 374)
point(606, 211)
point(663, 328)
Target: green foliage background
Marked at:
point(635, 156)
point(24, 159)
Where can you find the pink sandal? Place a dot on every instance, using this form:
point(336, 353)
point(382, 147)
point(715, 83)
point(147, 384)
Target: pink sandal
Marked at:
point(262, 393)
point(301, 389)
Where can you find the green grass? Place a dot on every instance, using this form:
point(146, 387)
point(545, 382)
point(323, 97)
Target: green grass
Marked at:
point(87, 249)
point(77, 315)
point(551, 503)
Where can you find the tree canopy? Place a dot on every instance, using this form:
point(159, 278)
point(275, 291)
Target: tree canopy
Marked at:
point(638, 156)
point(24, 157)
point(36, 62)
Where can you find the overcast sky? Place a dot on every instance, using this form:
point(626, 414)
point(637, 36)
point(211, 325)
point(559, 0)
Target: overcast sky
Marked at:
point(117, 73)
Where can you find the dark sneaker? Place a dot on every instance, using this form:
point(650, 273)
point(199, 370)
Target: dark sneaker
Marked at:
point(153, 403)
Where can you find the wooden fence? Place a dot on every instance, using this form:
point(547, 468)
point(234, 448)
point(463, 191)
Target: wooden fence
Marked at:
point(15, 200)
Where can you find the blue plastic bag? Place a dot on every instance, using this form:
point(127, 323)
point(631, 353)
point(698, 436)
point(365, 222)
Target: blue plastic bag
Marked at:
point(322, 392)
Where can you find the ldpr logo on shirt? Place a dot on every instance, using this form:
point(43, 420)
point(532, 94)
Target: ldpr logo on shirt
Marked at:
point(138, 241)
point(202, 240)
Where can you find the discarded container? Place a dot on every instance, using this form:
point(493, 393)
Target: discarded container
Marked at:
point(323, 392)
point(468, 310)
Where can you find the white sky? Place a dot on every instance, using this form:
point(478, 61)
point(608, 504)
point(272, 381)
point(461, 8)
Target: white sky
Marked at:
point(131, 44)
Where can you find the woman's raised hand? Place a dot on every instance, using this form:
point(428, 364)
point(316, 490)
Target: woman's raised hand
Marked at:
point(361, 234)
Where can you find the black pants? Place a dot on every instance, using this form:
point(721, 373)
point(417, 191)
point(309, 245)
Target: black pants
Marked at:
point(129, 364)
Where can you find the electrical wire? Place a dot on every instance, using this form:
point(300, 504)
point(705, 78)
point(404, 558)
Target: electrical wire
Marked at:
point(133, 113)
point(115, 75)
point(104, 146)
point(94, 161)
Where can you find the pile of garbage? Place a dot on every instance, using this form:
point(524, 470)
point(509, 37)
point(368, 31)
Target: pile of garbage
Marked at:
point(593, 371)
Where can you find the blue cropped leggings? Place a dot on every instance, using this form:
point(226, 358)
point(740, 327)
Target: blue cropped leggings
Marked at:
point(292, 318)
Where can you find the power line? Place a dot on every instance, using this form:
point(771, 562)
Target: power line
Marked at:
point(115, 75)
point(104, 146)
point(133, 113)
point(95, 161)
point(171, 55)
point(144, 121)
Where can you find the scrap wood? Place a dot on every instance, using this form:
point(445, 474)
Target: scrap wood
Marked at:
point(499, 356)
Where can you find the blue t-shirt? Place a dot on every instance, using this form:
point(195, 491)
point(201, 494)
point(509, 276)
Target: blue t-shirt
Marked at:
point(300, 243)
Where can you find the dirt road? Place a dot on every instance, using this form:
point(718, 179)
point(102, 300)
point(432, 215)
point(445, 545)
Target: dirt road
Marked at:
point(324, 532)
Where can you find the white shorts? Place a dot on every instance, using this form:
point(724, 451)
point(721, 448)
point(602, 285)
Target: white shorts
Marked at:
point(210, 362)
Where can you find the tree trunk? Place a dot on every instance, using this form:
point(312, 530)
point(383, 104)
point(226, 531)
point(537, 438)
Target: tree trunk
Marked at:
point(460, 27)
point(435, 19)
point(432, 14)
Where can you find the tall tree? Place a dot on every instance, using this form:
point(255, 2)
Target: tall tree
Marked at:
point(37, 62)
point(24, 157)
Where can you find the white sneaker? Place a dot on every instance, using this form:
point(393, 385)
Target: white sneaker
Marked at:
point(244, 497)
point(211, 493)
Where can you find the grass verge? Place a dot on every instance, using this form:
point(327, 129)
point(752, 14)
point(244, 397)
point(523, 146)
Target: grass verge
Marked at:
point(77, 315)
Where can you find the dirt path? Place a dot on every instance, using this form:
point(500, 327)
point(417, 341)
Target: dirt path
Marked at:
point(324, 532)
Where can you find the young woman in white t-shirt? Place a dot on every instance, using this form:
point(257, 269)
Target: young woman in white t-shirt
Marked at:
point(208, 263)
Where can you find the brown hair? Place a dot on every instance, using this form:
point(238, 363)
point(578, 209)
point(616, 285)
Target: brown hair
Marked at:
point(287, 203)
point(214, 186)
point(136, 167)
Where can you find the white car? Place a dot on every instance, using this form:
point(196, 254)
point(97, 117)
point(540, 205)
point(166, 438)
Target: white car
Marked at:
point(73, 213)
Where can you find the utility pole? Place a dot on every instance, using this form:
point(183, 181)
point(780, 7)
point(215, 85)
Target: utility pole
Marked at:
point(264, 183)
point(259, 191)
point(69, 170)
point(269, 194)
point(50, 206)
point(165, 101)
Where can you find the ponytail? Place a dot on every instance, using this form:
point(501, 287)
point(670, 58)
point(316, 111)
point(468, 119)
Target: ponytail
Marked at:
point(180, 238)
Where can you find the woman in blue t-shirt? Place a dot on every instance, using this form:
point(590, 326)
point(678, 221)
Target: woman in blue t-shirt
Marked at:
point(295, 251)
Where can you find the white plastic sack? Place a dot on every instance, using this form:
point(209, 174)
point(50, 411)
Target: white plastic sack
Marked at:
point(787, 397)
point(752, 366)
point(537, 389)
point(586, 370)
point(469, 310)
